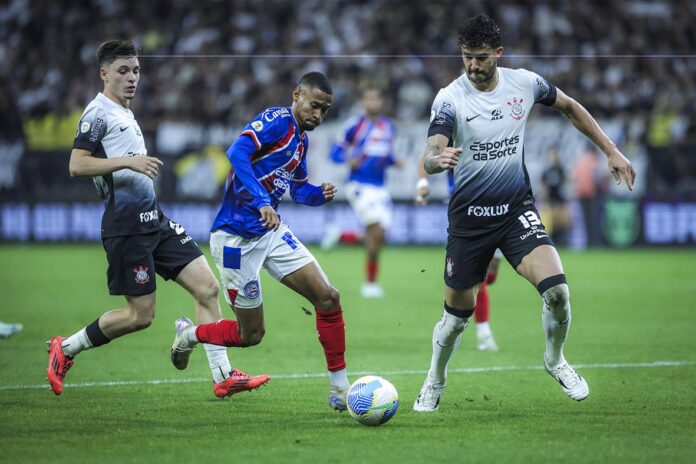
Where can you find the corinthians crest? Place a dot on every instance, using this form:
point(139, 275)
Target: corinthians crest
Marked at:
point(141, 275)
point(517, 111)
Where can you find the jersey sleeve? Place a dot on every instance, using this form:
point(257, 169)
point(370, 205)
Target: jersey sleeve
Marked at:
point(91, 129)
point(266, 130)
point(443, 116)
point(344, 140)
point(544, 92)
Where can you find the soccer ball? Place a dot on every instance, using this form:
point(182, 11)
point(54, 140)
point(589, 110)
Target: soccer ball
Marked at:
point(372, 400)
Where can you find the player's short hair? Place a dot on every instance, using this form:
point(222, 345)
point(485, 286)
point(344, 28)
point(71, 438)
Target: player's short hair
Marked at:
point(317, 80)
point(111, 50)
point(479, 31)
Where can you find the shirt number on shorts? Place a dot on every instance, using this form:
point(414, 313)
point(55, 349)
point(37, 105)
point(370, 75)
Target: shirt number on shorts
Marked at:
point(529, 219)
point(290, 240)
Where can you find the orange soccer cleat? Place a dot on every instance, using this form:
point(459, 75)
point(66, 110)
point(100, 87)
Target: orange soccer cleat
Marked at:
point(239, 382)
point(58, 364)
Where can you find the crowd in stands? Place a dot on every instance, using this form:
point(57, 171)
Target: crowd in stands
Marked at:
point(221, 62)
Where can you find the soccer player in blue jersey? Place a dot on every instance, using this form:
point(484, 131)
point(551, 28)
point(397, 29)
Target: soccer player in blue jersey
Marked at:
point(138, 238)
point(366, 144)
point(477, 130)
point(268, 159)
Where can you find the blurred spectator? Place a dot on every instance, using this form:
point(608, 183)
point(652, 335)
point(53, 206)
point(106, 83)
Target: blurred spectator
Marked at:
point(553, 184)
point(201, 173)
point(590, 183)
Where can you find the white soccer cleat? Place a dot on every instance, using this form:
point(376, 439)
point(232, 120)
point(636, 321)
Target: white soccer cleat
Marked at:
point(371, 290)
point(429, 397)
point(181, 348)
point(338, 397)
point(571, 382)
point(332, 234)
point(486, 343)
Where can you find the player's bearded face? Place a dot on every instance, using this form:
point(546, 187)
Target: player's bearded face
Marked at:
point(121, 77)
point(310, 107)
point(480, 63)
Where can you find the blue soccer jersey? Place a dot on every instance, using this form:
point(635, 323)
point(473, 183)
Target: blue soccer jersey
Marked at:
point(267, 159)
point(371, 142)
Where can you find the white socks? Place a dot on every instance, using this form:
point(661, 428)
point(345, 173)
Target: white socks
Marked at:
point(339, 378)
point(218, 361)
point(483, 329)
point(555, 317)
point(447, 335)
point(76, 343)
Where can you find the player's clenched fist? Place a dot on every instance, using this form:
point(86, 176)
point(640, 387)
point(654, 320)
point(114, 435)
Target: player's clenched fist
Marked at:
point(329, 190)
point(269, 218)
point(448, 158)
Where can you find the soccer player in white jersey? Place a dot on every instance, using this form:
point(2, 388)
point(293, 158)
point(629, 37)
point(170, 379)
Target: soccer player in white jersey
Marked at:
point(138, 238)
point(268, 159)
point(477, 129)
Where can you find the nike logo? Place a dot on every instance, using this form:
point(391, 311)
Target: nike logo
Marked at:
point(541, 235)
point(472, 118)
point(123, 128)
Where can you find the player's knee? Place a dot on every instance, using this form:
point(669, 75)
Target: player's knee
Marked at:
point(142, 321)
point(557, 300)
point(329, 299)
point(253, 337)
point(207, 291)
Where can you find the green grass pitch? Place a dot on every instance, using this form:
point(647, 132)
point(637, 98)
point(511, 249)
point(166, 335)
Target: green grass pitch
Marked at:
point(631, 309)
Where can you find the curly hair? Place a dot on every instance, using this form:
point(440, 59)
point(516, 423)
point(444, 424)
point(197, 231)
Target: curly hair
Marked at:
point(479, 31)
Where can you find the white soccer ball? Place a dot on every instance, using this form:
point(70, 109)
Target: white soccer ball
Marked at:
point(372, 400)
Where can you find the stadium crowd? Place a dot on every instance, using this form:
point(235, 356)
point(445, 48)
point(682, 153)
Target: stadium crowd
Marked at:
point(218, 62)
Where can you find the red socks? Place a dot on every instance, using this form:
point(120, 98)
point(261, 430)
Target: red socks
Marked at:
point(371, 271)
point(332, 336)
point(482, 304)
point(224, 332)
point(490, 277)
point(349, 238)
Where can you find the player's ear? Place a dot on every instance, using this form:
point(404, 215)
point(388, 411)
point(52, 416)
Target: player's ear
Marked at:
point(499, 52)
point(103, 74)
point(297, 93)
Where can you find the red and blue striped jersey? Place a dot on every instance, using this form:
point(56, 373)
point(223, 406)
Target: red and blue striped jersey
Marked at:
point(268, 158)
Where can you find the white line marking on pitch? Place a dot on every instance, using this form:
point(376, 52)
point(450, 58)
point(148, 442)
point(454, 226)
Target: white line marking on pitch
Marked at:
point(461, 370)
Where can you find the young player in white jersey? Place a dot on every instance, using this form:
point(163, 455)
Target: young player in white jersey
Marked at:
point(138, 238)
point(477, 129)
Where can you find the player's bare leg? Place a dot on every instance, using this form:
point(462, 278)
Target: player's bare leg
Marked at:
point(542, 268)
point(311, 282)
point(198, 279)
point(374, 240)
point(137, 315)
point(447, 335)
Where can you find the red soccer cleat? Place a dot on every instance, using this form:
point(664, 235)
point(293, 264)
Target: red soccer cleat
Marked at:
point(58, 364)
point(239, 382)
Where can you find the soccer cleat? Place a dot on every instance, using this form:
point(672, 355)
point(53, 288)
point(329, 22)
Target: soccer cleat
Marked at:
point(181, 348)
point(429, 397)
point(371, 290)
point(58, 364)
point(571, 382)
point(237, 382)
point(332, 235)
point(486, 343)
point(337, 397)
point(7, 330)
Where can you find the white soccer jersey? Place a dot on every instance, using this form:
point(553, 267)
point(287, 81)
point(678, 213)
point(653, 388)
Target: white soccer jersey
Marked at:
point(109, 130)
point(490, 180)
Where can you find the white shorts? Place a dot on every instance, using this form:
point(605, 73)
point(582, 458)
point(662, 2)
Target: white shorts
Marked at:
point(372, 204)
point(239, 261)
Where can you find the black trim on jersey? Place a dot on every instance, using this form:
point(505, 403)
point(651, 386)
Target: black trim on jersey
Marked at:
point(550, 99)
point(435, 129)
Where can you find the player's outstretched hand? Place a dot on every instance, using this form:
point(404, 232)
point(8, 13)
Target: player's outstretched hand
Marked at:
point(620, 167)
point(329, 190)
point(148, 165)
point(422, 192)
point(269, 218)
point(448, 158)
